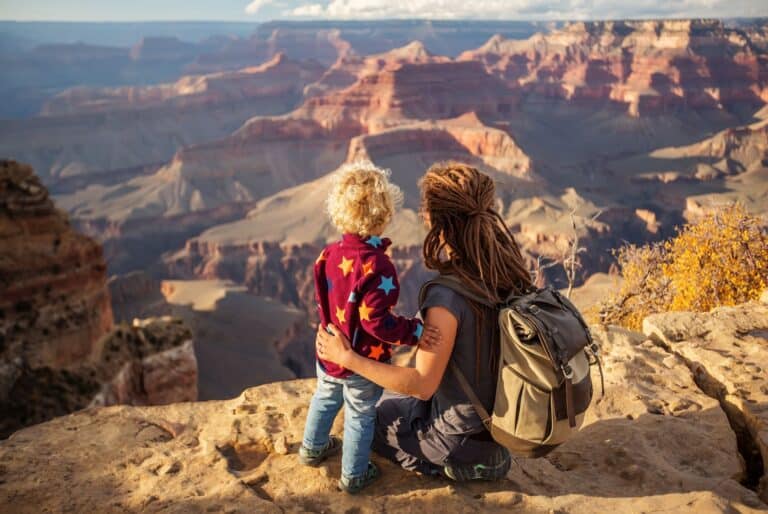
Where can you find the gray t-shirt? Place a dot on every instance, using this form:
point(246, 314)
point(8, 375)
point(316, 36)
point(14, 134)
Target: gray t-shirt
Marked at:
point(451, 411)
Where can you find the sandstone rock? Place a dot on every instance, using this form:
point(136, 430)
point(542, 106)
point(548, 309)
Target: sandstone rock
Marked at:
point(53, 299)
point(727, 350)
point(240, 455)
point(648, 66)
point(59, 347)
point(150, 362)
point(351, 67)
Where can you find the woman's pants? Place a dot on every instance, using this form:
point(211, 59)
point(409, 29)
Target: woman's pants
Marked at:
point(405, 434)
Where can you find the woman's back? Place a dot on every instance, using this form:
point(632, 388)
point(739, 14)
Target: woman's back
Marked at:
point(451, 410)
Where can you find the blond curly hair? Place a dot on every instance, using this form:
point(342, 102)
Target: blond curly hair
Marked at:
point(362, 200)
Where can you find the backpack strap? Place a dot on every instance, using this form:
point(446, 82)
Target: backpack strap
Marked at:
point(484, 416)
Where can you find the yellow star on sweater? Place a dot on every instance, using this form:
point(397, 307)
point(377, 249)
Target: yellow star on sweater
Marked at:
point(367, 268)
point(346, 265)
point(365, 312)
point(341, 315)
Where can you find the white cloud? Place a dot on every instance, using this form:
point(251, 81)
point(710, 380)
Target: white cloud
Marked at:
point(309, 11)
point(523, 9)
point(256, 5)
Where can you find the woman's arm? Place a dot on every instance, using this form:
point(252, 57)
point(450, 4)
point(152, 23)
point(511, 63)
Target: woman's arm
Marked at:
point(420, 381)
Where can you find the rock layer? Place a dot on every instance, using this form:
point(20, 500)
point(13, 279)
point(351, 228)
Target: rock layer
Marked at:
point(648, 66)
point(53, 299)
point(59, 350)
point(727, 350)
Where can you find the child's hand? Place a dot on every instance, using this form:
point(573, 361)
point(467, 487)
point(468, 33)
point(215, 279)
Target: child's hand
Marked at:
point(431, 338)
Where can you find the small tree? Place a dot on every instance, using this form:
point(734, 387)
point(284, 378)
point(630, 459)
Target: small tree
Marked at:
point(720, 260)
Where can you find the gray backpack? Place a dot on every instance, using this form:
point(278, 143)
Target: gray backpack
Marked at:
point(544, 385)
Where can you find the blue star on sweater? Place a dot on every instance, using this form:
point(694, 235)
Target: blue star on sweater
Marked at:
point(386, 285)
point(352, 297)
point(374, 241)
point(418, 331)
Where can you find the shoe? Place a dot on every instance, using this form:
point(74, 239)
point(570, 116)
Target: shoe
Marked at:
point(496, 469)
point(315, 457)
point(356, 484)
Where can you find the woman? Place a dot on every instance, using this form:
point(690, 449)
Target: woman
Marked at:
point(429, 425)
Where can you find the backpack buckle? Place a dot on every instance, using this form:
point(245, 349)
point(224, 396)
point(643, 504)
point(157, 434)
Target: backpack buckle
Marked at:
point(567, 371)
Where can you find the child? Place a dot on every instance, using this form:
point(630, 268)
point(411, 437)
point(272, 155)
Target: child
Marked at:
point(356, 287)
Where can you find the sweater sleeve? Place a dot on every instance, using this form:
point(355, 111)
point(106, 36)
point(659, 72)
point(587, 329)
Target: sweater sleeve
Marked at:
point(379, 291)
point(321, 289)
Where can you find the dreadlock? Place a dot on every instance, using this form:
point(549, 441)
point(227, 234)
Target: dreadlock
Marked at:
point(469, 239)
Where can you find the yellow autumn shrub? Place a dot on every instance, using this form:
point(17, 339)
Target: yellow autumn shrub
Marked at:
point(721, 259)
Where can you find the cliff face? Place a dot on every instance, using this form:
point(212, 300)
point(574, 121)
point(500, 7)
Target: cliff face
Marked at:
point(658, 440)
point(53, 299)
point(648, 66)
point(59, 350)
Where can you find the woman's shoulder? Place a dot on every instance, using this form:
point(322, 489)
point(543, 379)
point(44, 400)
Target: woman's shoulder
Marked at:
point(438, 295)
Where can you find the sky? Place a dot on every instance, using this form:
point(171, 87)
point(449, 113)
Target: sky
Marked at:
point(263, 10)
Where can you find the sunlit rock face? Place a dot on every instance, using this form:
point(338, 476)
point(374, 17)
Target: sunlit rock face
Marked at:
point(647, 66)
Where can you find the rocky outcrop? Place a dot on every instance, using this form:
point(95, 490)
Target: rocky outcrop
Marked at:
point(656, 441)
point(465, 138)
point(151, 362)
point(727, 351)
point(59, 348)
point(351, 67)
point(411, 91)
point(54, 303)
point(647, 66)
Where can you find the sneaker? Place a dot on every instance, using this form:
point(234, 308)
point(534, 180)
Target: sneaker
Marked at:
point(355, 484)
point(496, 469)
point(315, 457)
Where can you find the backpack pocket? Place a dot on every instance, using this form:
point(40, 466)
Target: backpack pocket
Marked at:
point(522, 409)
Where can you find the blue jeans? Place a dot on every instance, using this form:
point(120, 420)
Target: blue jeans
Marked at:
point(359, 396)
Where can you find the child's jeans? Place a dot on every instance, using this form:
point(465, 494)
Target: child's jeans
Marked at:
point(359, 396)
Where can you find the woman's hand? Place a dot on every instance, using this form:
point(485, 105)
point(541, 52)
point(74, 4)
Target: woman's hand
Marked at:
point(333, 347)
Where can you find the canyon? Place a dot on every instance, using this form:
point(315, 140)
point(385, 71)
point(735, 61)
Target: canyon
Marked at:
point(607, 132)
point(157, 250)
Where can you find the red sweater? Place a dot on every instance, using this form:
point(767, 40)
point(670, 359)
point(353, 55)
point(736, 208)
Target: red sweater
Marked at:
point(356, 287)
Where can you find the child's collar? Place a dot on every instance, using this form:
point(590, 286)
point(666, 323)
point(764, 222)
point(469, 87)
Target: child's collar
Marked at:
point(356, 240)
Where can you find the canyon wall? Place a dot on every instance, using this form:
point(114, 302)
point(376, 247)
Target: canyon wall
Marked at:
point(59, 347)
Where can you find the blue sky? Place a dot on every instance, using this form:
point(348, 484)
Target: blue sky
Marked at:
point(260, 10)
